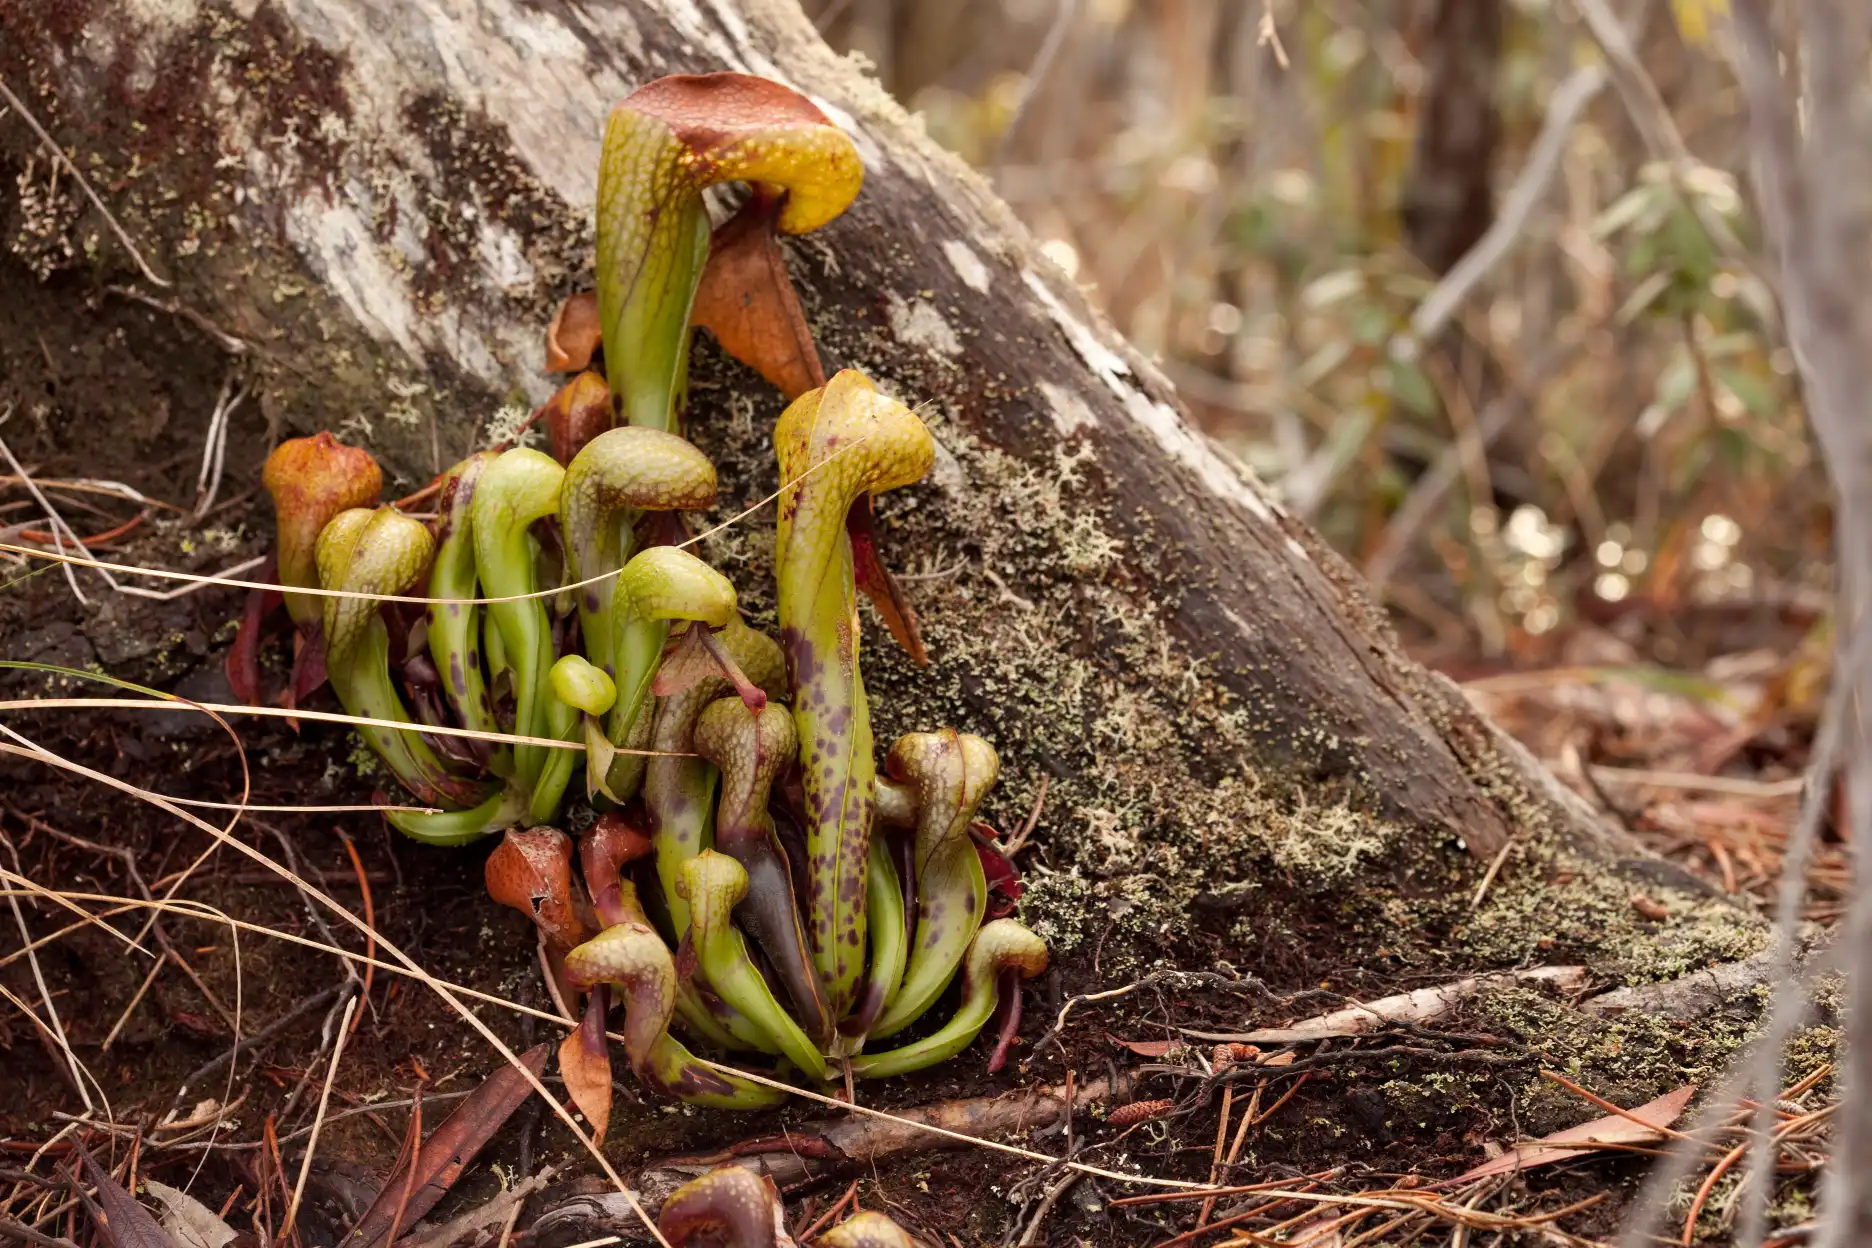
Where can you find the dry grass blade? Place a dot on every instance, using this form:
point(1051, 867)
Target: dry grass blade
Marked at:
point(305, 1163)
point(196, 580)
point(330, 717)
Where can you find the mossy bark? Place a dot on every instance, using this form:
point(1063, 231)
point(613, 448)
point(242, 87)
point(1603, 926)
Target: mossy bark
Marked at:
point(368, 210)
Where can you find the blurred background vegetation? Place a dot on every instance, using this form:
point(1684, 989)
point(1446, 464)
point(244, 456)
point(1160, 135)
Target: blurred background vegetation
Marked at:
point(1597, 456)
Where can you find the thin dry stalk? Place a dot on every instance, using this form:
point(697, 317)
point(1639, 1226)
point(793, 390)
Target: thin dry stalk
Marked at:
point(55, 1027)
point(318, 1122)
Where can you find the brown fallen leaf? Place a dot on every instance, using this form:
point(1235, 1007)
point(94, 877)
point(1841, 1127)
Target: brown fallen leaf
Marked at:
point(879, 585)
point(578, 412)
point(1613, 1129)
point(121, 1221)
point(585, 1064)
point(572, 338)
point(1285, 1058)
point(747, 301)
point(189, 1222)
point(441, 1159)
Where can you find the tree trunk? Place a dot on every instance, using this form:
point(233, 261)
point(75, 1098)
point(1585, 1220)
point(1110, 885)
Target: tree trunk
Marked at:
point(369, 209)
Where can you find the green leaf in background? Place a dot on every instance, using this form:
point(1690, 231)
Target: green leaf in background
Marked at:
point(1406, 383)
point(1756, 393)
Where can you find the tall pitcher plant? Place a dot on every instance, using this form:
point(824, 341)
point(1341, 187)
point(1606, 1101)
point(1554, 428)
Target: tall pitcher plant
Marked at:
point(567, 628)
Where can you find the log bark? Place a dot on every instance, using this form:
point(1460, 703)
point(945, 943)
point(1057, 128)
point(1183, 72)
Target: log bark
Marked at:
point(367, 211)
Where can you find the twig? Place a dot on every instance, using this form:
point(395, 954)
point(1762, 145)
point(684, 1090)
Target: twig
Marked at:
point(1652, 117)
point(84, 183)
point(1494, 869)
point(1066, 12)
point(370, 919)
point(820, 1223)
point(409, 1176)
point(1267, 36)
point(1429, 491)
point(1018, 841)
point(1564, 107)
point(355, 985)
point(1047, 1202)
point(316, 1001)
point(175, 307)
point(26, 1234)
point(305, 1163)
point(57, 1028)
point(51, 513)
point(154, 927)
point(214, 448)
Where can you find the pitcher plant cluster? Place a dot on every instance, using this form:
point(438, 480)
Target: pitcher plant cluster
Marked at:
point(755, 883)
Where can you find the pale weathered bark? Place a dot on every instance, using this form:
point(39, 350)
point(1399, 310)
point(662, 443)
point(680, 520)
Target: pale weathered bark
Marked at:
point(385, 198)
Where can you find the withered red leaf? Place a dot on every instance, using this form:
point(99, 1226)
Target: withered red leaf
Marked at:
point(748, 302)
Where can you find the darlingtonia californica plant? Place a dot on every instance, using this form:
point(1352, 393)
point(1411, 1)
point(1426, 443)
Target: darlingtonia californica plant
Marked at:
point(732, 1207)
point(765, 906)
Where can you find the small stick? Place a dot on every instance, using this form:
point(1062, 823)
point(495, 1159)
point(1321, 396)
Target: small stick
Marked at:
point(48, 539)
point(409, 1176)
point(1215, 1159)
point(851, 1194)
point(370, 921)
point(1276, 1107)
point(316, 1001)
point(1241, 1132)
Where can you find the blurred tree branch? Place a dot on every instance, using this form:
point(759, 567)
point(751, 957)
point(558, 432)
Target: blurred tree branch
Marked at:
point(1813, 188)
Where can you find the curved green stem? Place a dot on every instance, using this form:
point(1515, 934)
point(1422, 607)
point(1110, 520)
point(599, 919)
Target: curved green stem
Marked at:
point(379, 552)
point(612, 842)
point(562, 724)
point(950, 772)
point(750, 749)
point(663, 145)
point(519, 487)
point(619, 475)
point(835, 445)
point(889, 926)
point(1001, 945)
point(678, 789)
point(634, 958)
point(713, 884)
point(506, 808)
point(455, 626)
point(658, 585)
